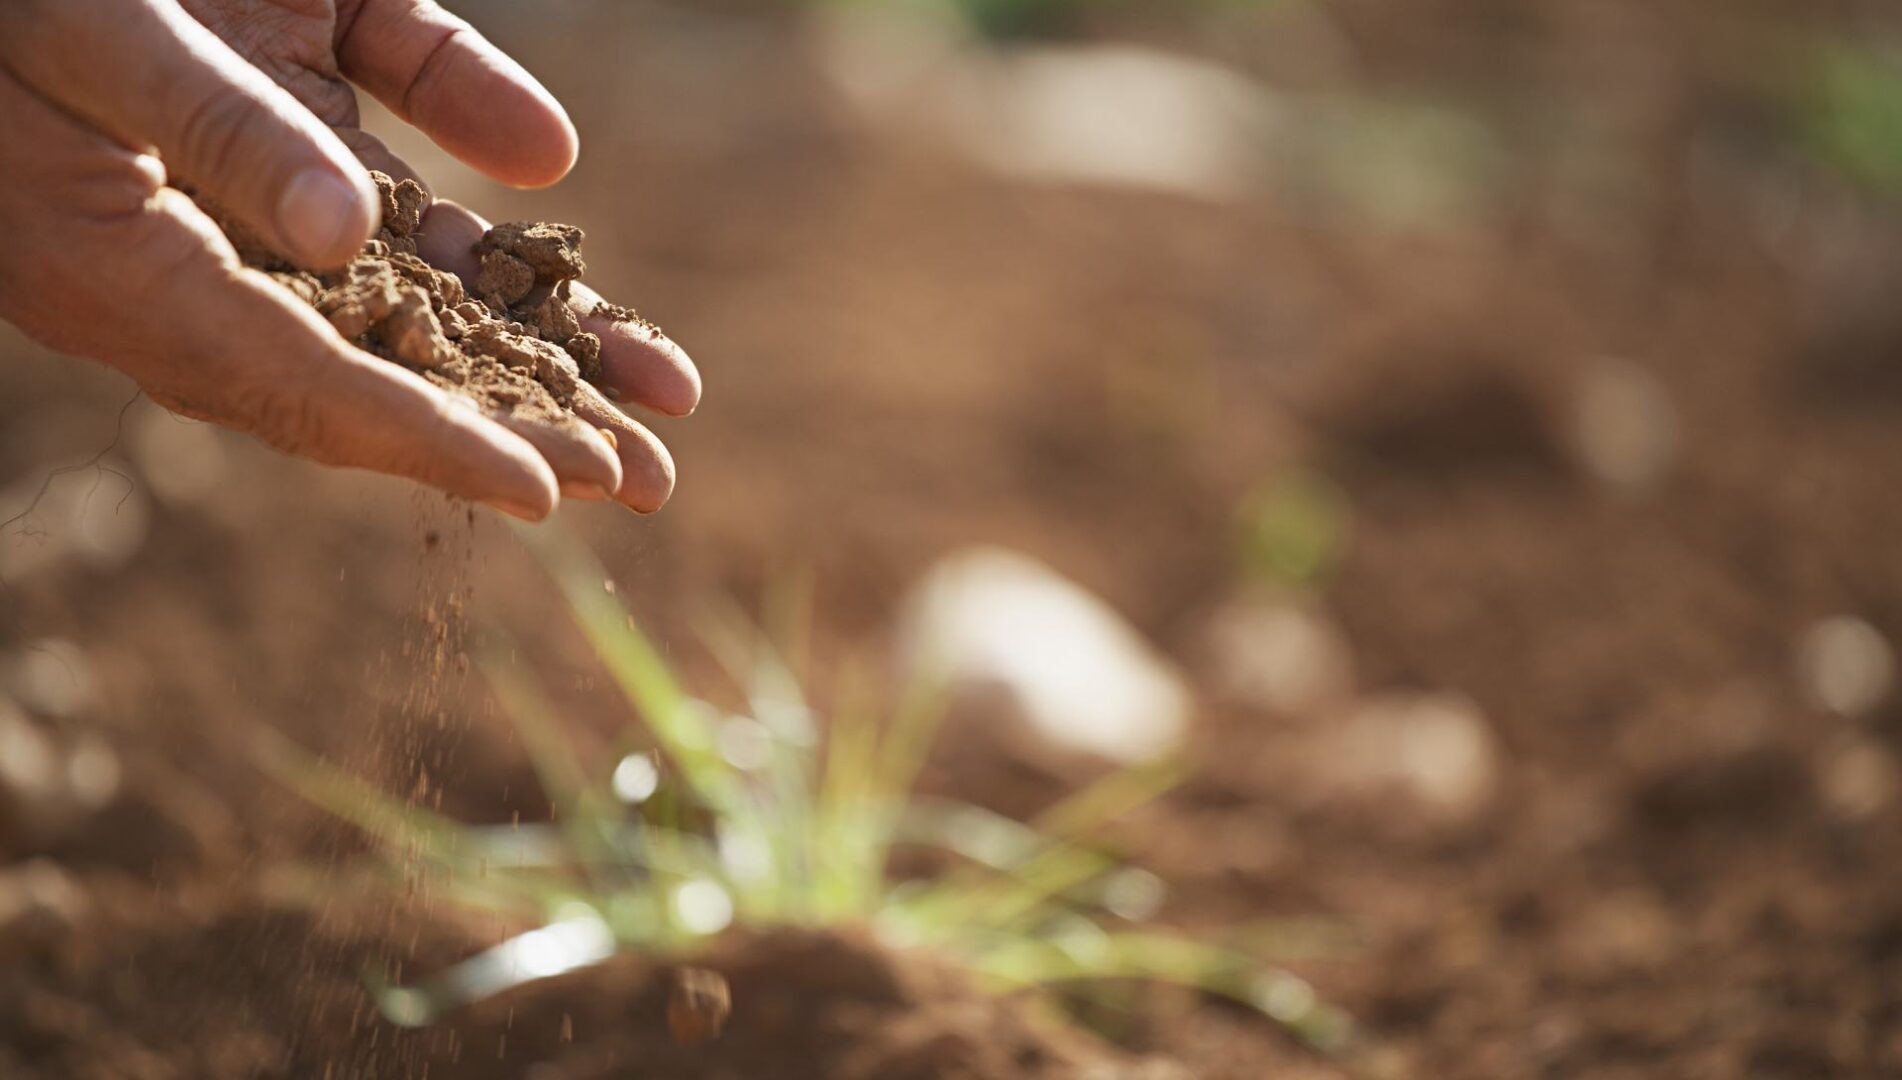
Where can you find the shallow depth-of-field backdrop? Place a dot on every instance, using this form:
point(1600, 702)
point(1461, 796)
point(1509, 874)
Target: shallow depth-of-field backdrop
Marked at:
point(1490, 412)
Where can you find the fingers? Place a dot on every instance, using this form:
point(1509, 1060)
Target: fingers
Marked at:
point(586, 463)
point(61, 185)
point(150, 75)
point(372, 152)
point(448, 233)
point(447, 238)
point(638, 363)
point(258, 360)
point(646, 466)
point(435, 71)
point(94, 227)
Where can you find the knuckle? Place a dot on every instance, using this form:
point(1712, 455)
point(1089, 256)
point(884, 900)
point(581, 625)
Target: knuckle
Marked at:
point(430, 72)
point(214, 134)
point(108, 190)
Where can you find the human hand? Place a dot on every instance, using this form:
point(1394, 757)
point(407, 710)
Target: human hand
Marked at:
point(104, 103)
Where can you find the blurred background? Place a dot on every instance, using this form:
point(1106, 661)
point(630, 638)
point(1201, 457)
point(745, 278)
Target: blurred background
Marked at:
point(1471, 427)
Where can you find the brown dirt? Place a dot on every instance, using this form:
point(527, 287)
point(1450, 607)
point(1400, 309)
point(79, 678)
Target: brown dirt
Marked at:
point(698, 1005)
point(904, 355)
point(233, 988)
point(516, 346)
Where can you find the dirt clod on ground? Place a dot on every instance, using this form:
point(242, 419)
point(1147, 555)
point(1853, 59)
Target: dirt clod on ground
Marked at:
point(697, 1005)
point(516, 347)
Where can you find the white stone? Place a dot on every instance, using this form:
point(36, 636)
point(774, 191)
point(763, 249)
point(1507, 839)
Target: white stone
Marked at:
point(50, 785)
point(1434, 750)
point(93, 774)
point(1856, 777)
point(1118, 116)
point(1076, 673)
point(1846, 666)
point(1279, 657)
point(30, 765)
point(1624, 426)
point(882, 57)
point(52, 677)
point(37, 896)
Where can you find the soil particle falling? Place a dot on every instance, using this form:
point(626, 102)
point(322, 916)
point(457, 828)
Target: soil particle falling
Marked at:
point(698, 1004)
point(515, 347)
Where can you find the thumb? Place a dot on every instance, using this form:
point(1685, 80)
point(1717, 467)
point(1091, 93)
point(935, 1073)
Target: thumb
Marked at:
point(148, 73)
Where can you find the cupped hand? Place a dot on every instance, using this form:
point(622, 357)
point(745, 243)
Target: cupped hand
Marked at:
point(107, 105)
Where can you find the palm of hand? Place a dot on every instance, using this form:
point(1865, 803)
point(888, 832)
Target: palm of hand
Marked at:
point(247, 96)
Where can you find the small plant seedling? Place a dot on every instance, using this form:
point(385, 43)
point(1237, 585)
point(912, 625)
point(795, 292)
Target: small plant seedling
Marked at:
point(1849, 115)
point(707, 822)
point(1292, 528)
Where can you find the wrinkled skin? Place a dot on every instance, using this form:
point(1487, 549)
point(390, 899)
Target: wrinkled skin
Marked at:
point(107, 105)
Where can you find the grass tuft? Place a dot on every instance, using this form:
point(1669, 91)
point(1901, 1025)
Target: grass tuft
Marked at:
point(756, 820)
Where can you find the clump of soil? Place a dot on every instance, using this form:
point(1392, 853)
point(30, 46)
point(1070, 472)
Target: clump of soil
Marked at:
point(515, 346)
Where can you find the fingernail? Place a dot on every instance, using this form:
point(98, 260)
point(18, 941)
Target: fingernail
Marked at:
point(318, 214)
point(514, 509)
point(581, 489)
point(613, 441)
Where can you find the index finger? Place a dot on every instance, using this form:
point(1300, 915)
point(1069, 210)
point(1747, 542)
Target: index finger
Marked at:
point(435, 71)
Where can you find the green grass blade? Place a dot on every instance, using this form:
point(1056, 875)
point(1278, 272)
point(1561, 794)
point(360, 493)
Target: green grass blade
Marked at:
point(675, 719)
point(585, 809)
point(787, 612)
point(474, 879)
point(1056, 863)
point(1170, 958)
point(390, 820)
point(1086, 812)
point(847, 849)
point(985, 837)
point(902, 751)
point(1061, 866)
point(784, 722)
